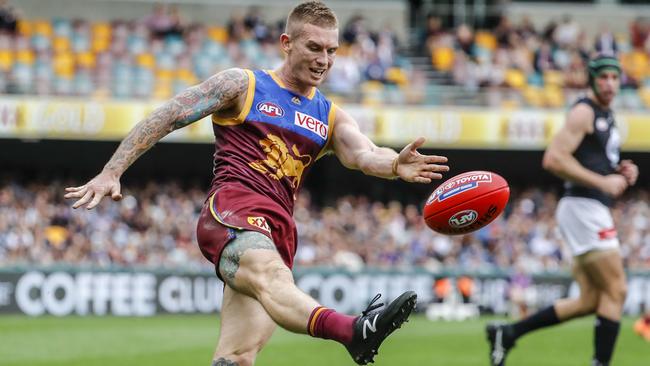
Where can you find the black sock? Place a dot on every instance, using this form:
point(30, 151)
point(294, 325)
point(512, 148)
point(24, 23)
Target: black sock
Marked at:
point(543, 318)
point(605, 334)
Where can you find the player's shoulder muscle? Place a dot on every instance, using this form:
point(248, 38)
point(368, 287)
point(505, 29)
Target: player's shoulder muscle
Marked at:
point(579, 119)
point(227, 87)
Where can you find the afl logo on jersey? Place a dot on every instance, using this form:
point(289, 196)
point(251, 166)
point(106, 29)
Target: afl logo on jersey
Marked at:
point(602, 124)
point(270, 109)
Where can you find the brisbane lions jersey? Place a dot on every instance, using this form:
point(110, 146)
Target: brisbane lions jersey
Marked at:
point(270, 146)
point(599, 151)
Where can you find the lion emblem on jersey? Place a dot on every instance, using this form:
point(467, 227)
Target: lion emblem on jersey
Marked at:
point(279, 162)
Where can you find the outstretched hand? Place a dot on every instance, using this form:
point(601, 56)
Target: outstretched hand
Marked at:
point(104, 184)
point(415, 167)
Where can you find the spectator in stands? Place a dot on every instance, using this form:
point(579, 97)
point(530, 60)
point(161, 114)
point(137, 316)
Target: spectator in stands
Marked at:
point(159, 22)
point(8, 17)
point(605, 42)
point(639, 33)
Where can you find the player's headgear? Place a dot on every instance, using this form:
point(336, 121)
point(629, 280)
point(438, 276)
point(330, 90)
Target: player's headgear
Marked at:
point(599, 64)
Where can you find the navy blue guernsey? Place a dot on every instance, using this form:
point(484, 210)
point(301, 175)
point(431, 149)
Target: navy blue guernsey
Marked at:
point(598, 151)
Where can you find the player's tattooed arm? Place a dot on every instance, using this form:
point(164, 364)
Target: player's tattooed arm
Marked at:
point(219, 92)
point(224, 362)
point(232, 253)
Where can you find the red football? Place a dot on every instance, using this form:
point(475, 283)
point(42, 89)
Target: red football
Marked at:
point(466, 202)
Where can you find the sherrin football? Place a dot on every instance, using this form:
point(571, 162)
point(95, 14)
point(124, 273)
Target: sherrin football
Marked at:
point(466, 202)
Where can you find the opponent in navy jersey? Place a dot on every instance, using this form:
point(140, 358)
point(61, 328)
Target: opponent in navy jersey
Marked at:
point(585, 153)
point(599, 152)
point(270, 127)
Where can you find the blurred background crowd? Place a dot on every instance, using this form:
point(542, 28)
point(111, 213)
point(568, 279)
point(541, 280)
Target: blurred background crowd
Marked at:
point(162, 53)
point(154, 226)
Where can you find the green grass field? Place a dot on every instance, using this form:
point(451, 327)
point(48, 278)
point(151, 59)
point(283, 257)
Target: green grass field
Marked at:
point(189, 340)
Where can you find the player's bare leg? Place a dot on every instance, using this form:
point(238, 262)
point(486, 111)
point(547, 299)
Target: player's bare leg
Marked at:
point(251, 265)
point(585, 304)
point(502, 337)
point(607, 273)
point(245, 329)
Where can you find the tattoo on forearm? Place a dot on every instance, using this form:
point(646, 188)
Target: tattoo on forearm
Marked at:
point(231, 255)
point(219, 91)
point(224, 362)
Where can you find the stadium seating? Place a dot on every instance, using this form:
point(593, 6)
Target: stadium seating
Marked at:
point(155, 226)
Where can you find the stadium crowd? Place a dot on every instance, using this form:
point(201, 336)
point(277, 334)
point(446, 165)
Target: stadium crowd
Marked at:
point(162, 53)
point(154, 226)
point(546, 66)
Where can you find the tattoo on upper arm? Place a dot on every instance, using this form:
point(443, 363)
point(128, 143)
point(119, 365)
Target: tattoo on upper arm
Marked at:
point(224, 362)
point(218, 92)
point(231, 255)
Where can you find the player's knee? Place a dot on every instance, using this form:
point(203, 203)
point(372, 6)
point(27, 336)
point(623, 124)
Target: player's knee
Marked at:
point(588, 304)
point(616, 293)
point(265, 275)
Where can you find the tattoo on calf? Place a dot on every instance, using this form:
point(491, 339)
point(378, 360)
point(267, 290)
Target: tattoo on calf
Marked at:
point(224, 362)
point(231, 255)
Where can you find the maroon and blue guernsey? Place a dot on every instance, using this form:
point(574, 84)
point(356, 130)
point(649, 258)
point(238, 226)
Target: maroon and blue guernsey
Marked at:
point(261, 158)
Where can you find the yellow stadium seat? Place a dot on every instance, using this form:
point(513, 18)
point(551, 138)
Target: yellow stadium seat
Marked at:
point(6, 60)
point(553, 78)
point(218, 34)
point(515, 78)
point(635, 64)
point(25, 57)
point(146, 60)
point(101, 30)
point(187, 76)
point(397, 76)
point(553, 97)
point(486, 40)
point(164, 75)
point(61, 45)
point(100, 44)
point(443, 58)
point(24, 27)
point(86, 60)
point(64, 65)
point(533, 96)
point(162, 90)
point(43, 27)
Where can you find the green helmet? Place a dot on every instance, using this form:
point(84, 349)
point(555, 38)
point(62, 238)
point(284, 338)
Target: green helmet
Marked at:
point(597, 65)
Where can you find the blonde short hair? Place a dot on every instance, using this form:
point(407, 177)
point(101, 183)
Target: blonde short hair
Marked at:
point(310, 12)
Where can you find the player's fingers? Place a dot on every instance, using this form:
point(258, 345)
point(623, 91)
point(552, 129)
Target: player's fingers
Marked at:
point(436, 168)
point(421, 180)
point(433, 159)
point(83, 200)
point(98, 197)
point(75, 194)
point(431, 175)
point(75, 189)
point(115, 193)
point(416, 144)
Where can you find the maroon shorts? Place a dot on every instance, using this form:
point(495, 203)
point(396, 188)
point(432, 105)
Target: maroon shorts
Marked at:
point(232, 209)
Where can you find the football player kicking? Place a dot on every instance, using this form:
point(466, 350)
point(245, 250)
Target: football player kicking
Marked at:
point(270, 127)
